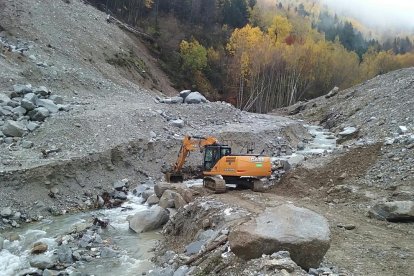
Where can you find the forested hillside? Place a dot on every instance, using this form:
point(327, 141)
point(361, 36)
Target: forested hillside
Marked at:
point(260, 55)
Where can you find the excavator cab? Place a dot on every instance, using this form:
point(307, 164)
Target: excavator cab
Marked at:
point(213, 153)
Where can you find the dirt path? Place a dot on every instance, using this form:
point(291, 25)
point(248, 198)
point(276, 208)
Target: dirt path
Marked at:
point(372, 248)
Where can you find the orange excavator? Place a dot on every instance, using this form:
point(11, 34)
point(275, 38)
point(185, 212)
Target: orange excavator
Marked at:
point(220, 166)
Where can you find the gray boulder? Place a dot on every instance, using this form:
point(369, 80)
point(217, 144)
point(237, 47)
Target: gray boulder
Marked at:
point(31, 97)
point(28, 105)
point(39, 114)
point(152, 200)
point(4, 111)
point(182, 271)
point(177, 123)
point(393, 211)
point(6, 212)
point(185, 93)
point(13, 129)
point(1, 243)
point(22, 89)
point(4, 99)
point(42, 261)
point(21, 111)
point(48, 104)
point(42, 91)
point(167, 199)
point(149, 219)
point(179, 201)
point(302, 232)
point(120, 184)
point(64, 254)
point(31, 126)
point(195, 98)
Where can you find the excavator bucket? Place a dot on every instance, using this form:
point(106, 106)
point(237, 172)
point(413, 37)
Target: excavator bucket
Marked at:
point(172, 177)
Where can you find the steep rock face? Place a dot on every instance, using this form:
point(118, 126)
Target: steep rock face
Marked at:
point(302, 232)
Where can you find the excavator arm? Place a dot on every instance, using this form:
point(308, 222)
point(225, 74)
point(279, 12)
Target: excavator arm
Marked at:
point(188, 145)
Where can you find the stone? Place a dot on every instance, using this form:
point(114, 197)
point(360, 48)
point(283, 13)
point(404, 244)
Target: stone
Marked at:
point(1, 243)
point(179, 201)
point(39, 114)
point(42, 90)
point(177, 123)
point(159, 271)
point(146, 194)
point(395, 211)
point(347, 131)
point(120, 184)
point(13, 129)
point(181, 271)
point(167, 199)
point(49, 272)
point(31, 126)
point(4, 111)
point(343, 176)
point(194, 247)
point(6, 212)
point(302, 232)
point(27, 144)
point(85, 240)
point(20, 111)
point(48, 104)
point(64, 254)
point(56, 99)
point(173, 100)
point(31, 97)
point(195, 98)
point(39, 247)
point(76, 256)
point(4, 99)
point(332, 93)
point(185, 93)
point(28, 105)
point(22, 89)
point(152, 200)
point(402, 130)
point(346, 226)
point(42, 261)
point(149, 219)
point(120, 195)
point(300, 146)
point(161, 187)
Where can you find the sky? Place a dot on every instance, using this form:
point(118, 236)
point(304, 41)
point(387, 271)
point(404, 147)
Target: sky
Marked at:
point(381, 13)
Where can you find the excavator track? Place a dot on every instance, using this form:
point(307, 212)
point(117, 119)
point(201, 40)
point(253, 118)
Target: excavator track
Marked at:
point(214, 183)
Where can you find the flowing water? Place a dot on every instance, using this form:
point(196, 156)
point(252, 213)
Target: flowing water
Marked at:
point(135, 255)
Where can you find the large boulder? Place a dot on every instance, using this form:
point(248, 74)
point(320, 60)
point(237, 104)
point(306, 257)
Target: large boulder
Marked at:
point(393, 211)
point(183, 190)
point(185, 93)
point(302, 232)
point(195, 98)
point(167, 199)
point(149, 219)
point(13, 129)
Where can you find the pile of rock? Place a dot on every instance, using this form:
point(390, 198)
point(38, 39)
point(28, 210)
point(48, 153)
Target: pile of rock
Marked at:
point(11, 218)
point(24, 109)
point(162, 199)
point(185, 96)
